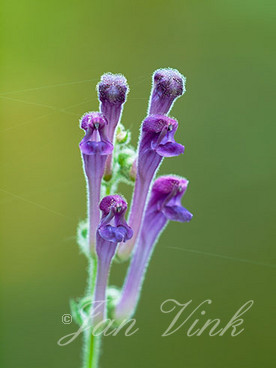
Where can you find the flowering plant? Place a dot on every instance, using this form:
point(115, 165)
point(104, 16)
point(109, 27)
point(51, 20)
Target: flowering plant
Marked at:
point(108, 158)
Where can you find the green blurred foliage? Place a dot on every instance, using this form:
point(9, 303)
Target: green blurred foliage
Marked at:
point(53, 55)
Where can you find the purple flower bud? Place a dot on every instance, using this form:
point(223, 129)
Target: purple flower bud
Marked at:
point(168, 85)
point(95, 146)
point(112, 92)
point(156, 141)
point(112, 229)
point(164, 205)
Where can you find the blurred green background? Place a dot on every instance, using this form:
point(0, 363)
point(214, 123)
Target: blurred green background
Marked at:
point(54, 53)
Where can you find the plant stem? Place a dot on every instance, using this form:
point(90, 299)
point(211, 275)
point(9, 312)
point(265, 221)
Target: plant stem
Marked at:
point(94, 349)
point(91, 342)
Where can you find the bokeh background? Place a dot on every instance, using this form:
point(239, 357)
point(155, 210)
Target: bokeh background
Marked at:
point(54, 53)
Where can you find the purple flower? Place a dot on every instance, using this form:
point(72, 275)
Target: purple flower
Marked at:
point(113, 226)
point(112, 93)
point(165, 200)
point(157, 141)
point(164, 205)
point(168, 85)
point(95, 146)
point(95, 140)
point(112, 230)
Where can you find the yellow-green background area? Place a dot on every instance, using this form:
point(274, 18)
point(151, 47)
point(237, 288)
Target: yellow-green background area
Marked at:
point(54, 53)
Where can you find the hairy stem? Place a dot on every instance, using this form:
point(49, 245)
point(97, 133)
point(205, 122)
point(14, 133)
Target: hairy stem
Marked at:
point(91, 343)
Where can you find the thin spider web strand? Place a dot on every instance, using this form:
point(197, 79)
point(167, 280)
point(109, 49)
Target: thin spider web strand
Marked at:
point(47, 86)
point(224, 257)
point(33, 203)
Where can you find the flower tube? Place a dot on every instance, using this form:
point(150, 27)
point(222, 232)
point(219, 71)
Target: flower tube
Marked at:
point(157, 141)
point(164, 205)
point(95, 146)
point(167, 85)
point(112, 93)
point(112, 230)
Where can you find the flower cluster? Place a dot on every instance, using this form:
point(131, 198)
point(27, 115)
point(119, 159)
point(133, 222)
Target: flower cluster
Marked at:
point(108, 158)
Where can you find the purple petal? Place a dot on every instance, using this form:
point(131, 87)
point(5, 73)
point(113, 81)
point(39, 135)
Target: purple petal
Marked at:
point(113, 234)
point(92, 148)
point(127, 231)
point(170, 149)
point(177, 213)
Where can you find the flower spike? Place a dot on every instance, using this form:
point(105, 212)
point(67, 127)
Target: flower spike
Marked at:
point(168, 85)
point(109, 159)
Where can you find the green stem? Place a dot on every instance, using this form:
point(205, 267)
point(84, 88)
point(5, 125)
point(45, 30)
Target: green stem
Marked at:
point(108, 189)
point(92, 273)
point(93, 359)
point(91, 342)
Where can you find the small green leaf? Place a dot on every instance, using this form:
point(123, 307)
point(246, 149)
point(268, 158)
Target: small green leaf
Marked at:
point(82, 237)
point(113, 295)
